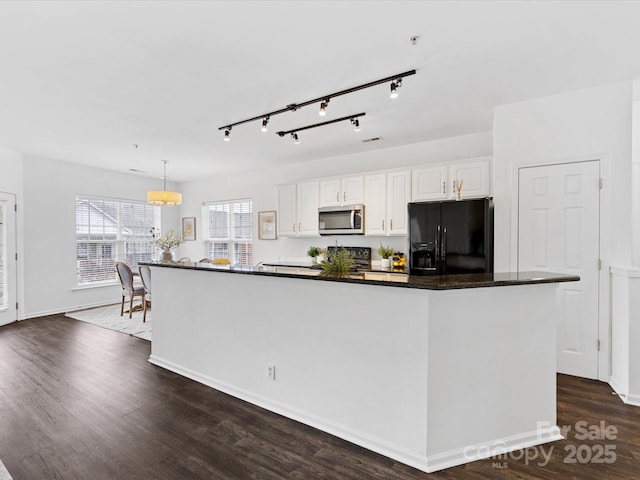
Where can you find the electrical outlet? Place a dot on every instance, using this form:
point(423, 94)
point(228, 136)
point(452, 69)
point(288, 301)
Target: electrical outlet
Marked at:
point(271, 372)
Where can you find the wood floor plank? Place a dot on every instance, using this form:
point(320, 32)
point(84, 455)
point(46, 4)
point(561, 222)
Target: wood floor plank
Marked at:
point(78, 401)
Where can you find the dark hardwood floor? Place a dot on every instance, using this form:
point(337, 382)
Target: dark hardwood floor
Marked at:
point(81, 402)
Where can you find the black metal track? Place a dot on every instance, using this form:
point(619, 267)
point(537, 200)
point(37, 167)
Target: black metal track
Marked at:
point(295, 106)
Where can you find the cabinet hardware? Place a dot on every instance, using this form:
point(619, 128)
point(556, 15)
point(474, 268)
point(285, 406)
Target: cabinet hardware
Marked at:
point(337, 196)
point(294, 227)
point(299, 227)
point(444, 186)
point(382, 224)
point(344, 197)
point(391, 224)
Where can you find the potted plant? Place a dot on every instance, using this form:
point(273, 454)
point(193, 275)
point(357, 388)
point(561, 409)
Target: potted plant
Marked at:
point(385, 253)
point(337, 263)
point(313, 252)
point(171, 239)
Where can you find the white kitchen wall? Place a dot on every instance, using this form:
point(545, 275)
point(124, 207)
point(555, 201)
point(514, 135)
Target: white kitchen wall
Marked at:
point(261, 187)
point(48, 212)
point(586, 124)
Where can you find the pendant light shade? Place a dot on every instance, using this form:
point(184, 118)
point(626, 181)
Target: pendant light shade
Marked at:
point(164, 197)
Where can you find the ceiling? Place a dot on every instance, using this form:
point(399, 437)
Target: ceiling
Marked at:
point(86, 81)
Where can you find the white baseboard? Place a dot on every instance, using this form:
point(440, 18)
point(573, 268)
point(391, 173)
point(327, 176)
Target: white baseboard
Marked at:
point(58, 311)
point(424, 462)
point(627, 397)
point(500, 446)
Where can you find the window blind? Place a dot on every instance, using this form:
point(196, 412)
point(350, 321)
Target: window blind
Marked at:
point(230, 232)
point(110, 231)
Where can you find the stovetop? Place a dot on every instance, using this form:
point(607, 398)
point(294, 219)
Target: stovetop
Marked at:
point(361, 257)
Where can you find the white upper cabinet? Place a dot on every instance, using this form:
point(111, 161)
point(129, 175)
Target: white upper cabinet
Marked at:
point(287, 217)
point(298, 210)
point(307, 209)
point(385, 197)
point(438, 182)
point(429, 183)
point(341, 191)
point(474, 177)
point(398, 195)
point(375, 204)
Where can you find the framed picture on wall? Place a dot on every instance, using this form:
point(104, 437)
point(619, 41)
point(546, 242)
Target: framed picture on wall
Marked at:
point(189, 228)
point(267, 225)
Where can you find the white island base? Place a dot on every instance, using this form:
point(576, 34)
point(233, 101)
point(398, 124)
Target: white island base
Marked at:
point(431, 378)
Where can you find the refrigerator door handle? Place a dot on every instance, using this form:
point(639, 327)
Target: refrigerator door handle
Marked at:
point(437, 252)
point(444, 244)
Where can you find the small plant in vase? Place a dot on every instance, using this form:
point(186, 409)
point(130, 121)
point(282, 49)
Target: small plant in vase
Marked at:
point(171, 239)
point(313, 252)
point(386, 254)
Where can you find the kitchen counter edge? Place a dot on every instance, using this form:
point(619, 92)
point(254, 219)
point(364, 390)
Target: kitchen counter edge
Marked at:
point(432, 282)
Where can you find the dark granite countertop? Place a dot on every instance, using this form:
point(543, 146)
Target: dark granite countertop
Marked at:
point(432, 282)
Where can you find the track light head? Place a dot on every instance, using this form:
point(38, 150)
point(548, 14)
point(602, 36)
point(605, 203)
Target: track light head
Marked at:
point(323, 107)
point(296, 140)
point(227, 134)
point(356, 124)
point(265, 121)
point(395, 85)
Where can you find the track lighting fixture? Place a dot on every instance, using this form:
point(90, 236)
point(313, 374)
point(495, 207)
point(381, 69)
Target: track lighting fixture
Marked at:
point(395, 85)
point(265, 120)
point(356, 124)
point(323, 100)
point(294, 132)
point(323, 107)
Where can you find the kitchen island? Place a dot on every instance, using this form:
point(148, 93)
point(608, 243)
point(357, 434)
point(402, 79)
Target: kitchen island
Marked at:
point(430, 371)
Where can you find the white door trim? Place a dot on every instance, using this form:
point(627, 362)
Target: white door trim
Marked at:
point(604, 279)
point(11, 313)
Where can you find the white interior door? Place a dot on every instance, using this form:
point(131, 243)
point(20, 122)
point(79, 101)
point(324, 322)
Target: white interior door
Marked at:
point(558, 231)
point(8, 309)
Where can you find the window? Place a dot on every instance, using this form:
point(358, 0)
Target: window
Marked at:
point(110, 231)
point(230, 231)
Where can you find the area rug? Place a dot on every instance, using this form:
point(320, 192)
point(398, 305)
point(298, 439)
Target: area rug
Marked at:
point(4, 474)
point(109, 317)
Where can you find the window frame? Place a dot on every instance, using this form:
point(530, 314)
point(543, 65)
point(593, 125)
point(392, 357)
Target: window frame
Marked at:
point(232, 243)
point(119, 243)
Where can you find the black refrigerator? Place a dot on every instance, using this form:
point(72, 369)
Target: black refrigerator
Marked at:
point(451, 237)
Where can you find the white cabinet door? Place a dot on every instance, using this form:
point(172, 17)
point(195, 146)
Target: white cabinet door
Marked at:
point(474, 177)
point(308, 194)
point(430, 183)
point(352, 190)
point(287, 217)
point(398, 194)
point(341, 191)
point(330, 194)
point(375, 204)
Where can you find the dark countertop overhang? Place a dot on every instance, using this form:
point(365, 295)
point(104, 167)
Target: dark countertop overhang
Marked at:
point(432, 282)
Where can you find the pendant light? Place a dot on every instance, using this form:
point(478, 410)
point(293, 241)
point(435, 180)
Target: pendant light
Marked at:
point(164, 197)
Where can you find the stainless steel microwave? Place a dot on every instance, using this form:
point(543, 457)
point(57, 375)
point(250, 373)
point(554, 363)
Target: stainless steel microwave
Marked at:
point(345, 220)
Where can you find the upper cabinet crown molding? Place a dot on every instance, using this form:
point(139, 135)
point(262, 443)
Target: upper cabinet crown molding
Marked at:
point(341, 191)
